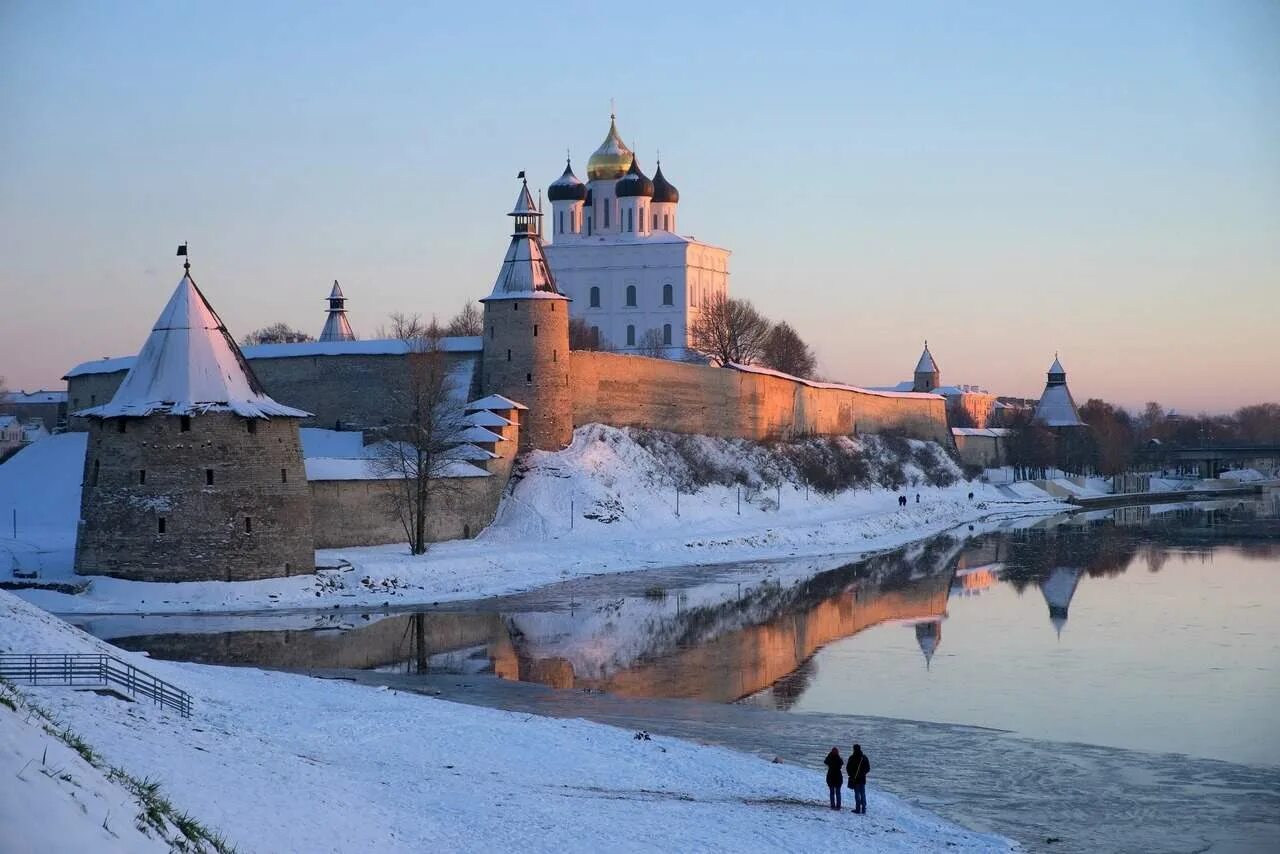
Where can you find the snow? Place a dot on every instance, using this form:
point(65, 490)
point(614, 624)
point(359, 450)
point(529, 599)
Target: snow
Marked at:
point(926, 365)
point(1243, 475)
point(478, 434)
point(487, 418)
point(41, 396)
point(371, 347)
point(990, 432)
point(603, 505)
point(524, 273)
point(754, 369)
point(317, 442)
point(336, 468)
point(494, 402)
point(376, 769)
point(1056, 408)
point(189, 365)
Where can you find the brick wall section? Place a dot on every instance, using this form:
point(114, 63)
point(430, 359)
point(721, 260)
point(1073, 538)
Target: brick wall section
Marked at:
point(634, 391)
point(526, 358)
point(205, 537)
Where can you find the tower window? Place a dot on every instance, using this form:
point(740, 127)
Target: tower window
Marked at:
point(120, 425)
point(252, 425)
point(668, 294)
point(515, 306)
point(208, 477)
point(508, 355)
point(142, 476)
point(631, 295)
point(94, 479)
point(554, 356)
point(535, 330)
point(666, 333)
point(284, 475)
point(631, 336)
point(595, 297)
point(528, 378)
point(492, 331)
point(248, 524)
point(160, 525)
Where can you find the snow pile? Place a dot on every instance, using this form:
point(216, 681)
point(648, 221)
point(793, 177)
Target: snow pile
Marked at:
point(1243, 475)
point(41, 484)
point(379, 770)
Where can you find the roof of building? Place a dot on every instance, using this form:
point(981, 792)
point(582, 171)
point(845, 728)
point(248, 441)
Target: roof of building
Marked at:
point(753, 369)
point(664, 190)
point(189, 365)
point(634, 183)
point(525, 273)
point(1057, 408)
point(474, 434)
point(8, 421)
point(336, 292)
point(612, 159)
point(495, 402)
point(567, 188)
point(486, 418)
point(467, 451)
point(990, 432)
point(336, 325)
point(370, 347)
point(42, 396)
point(926, 365)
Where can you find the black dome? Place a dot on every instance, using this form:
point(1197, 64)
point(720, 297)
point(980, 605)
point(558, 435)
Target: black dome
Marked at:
point(567, 188)
point(664, 190)
point(634, 183)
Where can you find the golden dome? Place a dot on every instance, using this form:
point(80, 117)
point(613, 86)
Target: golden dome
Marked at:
point(612, 159)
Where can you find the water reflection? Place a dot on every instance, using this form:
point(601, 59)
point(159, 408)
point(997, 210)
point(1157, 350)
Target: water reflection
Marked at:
point(727, 637)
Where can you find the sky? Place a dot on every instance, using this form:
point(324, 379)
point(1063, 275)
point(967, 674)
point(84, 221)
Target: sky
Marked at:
point(1006, 180)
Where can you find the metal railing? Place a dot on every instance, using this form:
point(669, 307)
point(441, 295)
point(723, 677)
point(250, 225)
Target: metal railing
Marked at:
point(92, 670)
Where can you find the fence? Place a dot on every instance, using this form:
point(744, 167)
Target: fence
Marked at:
point(92, 670)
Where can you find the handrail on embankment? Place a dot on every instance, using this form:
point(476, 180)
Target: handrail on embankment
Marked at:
point(1126, 498)
point(90, 670)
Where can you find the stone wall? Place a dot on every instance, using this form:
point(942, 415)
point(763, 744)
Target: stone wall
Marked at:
point(654, 393)
point(253, 521)
point(350, 391)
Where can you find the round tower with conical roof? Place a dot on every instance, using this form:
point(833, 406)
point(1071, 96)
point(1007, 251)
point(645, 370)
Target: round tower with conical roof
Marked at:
point(192, 472)
point(526, 336)
point(927, 375)
point(336, 325)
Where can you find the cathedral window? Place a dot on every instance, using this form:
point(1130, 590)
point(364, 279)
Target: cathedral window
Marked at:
point(668, 295)
point(606, 213)
point(631, 221)
point(560, 223)
point(655, 222)
point(595, 297)
point(631, 336)
point(666, 333)
point(631, 295)
point(588, 226)
point(666, 222)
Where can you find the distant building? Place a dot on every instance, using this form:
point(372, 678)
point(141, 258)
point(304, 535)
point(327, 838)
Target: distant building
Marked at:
point(47, 405)
point(616, 253)
point(336, 325)
point(1056, 407)
point(967, 405)
point(10, 434)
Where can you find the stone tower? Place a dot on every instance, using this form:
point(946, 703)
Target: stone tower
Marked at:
point(336, 325)
point(526, 336)
point(192, 473)
point(927, 376)
point(1056, 407)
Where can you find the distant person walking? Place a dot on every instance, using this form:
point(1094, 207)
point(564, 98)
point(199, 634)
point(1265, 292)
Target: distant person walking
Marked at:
point(859, 766)
point(834, 778)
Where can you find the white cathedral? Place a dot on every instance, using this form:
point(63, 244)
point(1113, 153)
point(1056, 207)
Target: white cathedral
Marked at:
point(616, 253)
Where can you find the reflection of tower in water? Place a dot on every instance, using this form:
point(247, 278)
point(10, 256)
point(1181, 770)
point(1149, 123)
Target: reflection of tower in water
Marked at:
point(1058, 588)
point(929, 635)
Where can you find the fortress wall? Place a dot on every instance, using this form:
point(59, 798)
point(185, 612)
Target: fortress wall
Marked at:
point(635, 391)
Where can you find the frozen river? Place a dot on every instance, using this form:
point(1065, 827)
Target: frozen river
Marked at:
point(1108, 681)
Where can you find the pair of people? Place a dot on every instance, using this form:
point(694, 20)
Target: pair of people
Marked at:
point(858, 767)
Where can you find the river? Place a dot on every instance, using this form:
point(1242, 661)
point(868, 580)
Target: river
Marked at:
point(1107, 680)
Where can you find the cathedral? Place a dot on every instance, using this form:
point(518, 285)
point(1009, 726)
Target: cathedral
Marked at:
point(615, 250)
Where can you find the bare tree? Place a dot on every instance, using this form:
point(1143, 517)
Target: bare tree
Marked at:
point(276, 333)
point(729, 331)
point(427, 420)
point(406, 327)
point(651, 345)
point(583, 336)
point(469, 321)
point(785, 350)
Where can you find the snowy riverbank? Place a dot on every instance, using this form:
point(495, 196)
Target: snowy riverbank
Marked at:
point(276, 762)
point(606, 504)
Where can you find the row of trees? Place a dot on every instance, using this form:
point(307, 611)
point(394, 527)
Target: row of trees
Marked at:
point(1117, 441)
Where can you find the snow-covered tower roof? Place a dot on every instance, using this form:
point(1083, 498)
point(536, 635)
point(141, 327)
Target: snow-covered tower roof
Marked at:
point(189, 365)
point(336, 325)
point(567, 188)
point(927, 376)
point(612, 159)
point(1056, 407)
point(926, 363)
point(525, 273)
point(1058, 589)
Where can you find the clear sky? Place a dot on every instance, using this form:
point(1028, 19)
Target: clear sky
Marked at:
point(1004, 179)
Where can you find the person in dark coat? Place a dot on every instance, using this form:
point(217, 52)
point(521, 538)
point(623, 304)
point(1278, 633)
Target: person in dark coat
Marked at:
point(834, 778)
point(859, 767)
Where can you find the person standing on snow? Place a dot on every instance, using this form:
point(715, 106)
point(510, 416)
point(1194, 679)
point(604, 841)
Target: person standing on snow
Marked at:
point(859, 766)
point(834, 778)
